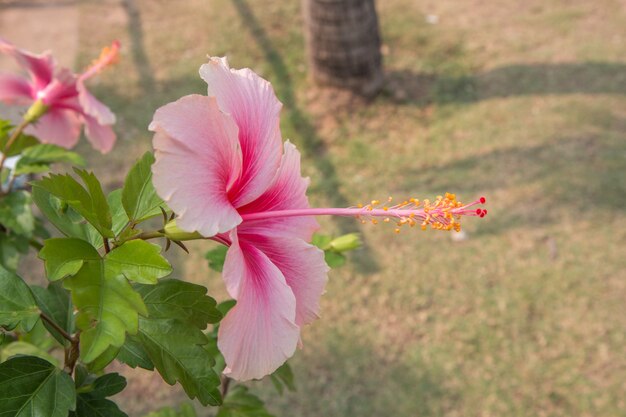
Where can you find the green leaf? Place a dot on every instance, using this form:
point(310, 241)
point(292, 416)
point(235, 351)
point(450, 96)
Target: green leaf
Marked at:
point(11, 248)
point(139, 197)
point(108, 307)
point(93, 403)
point(216, 258)
point(33, 387)
point(119, 219)
point(239, 402)
point(89, 203)
point(65, 218)
point(65, 256)
point(23, 141)
point(17, 304)
point(25, 348)
point(138, 261)
point(182, 300)
point(133, 354)
point(38, 158)
point(225, 306)
point(55, 302)
point(108, 385)
point(176, 350)
point(334, 259)
point(88, 406)
point(16, 214)
point(105, 358)
point(283, 377)
point(321, 241)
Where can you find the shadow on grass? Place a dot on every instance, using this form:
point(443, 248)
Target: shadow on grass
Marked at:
point(137, 48)
point(346, 377)
point(310, 142)
point(508, 81)
point(583, 174)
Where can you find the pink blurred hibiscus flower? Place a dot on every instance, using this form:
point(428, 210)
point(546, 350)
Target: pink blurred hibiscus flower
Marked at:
point(67, 102)
point(219, 158)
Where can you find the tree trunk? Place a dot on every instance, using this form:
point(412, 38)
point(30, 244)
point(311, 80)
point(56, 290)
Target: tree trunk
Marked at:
point(343, 44)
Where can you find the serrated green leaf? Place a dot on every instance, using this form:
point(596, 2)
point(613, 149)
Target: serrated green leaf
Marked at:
point(182, 300)
point(65, 256)
point(119, 218)
point(100, 206)
point(134, 355)
point(216, 258)
point(108, 307)
point(175, 349)
point(33, 387)
point(17, 304)
point(239, 402)
point(139, 197)
point(138, 261)
point(90, 203)
point(55, 302)
point(38, 158)
point(283, 377)
point(64, 218)
point(16, 214)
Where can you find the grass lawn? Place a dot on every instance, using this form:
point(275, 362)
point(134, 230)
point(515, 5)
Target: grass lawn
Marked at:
point(523, 102)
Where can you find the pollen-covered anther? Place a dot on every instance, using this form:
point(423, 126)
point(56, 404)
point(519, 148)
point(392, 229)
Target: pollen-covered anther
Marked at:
point(442, 213)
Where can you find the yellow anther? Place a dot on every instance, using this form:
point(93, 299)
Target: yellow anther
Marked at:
point(386, 220)
point(374, 221)
point(375, 202)
point(385, 208)
point(397, 231)
point(390, 199)
point(359, 205)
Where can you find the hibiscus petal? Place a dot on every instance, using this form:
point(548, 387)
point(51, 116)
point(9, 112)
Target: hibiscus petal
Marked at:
point(258, 334)
point(288, 191)
point(197, 160)
point(251, 101)
point(94, 107)
point(58, 126)
point(101, 136)
point(303, 267)
point(14, 90)
point(41, 67)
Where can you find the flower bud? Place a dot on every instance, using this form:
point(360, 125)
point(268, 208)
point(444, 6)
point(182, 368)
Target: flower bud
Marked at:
point(173, 232)
point(346, 243)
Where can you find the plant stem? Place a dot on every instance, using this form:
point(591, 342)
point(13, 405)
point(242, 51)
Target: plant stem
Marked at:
point(16, 134)
point(58, 328)
point(107, 248)
point(35, 244)
point(71, 356)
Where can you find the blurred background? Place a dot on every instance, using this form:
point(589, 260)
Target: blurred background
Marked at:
point(522, 102)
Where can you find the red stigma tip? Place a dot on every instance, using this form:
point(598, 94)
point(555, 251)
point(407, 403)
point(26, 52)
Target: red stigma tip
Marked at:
point(485, 212)
point(483, 200)
point(478, 211)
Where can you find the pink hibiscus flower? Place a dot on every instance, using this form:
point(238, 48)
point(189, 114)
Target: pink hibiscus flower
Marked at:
point(222, 167)
point(67, 103)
